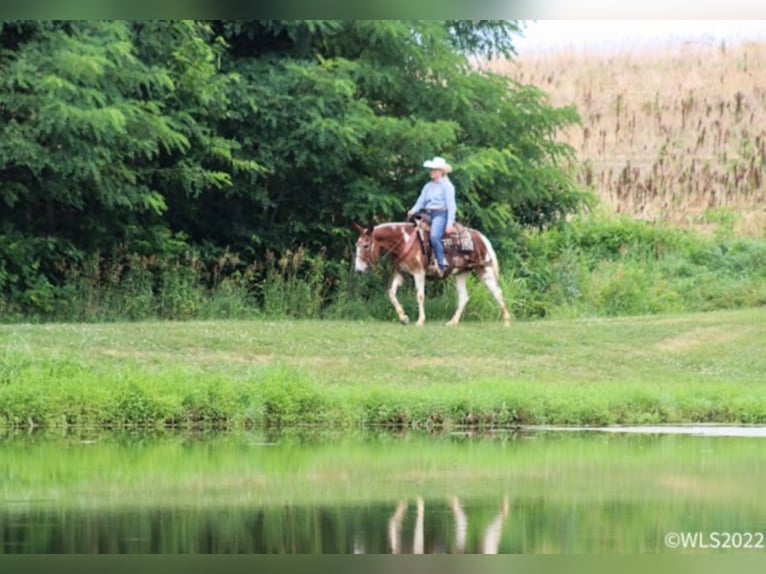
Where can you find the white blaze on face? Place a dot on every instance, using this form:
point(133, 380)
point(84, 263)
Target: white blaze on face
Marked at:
point(359, 263)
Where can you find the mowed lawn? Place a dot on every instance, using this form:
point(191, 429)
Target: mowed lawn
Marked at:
point(681, 368)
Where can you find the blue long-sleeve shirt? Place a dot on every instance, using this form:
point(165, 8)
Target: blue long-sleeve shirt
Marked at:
point(438, 195)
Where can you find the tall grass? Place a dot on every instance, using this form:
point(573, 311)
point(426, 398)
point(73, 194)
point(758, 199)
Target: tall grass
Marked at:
point(666, 134)
point(181, 287)
point(294, 284)
point(136, 287)
point(593, 265)
point(615, 267)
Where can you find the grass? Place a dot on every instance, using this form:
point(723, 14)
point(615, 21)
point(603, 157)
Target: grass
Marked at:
point(233, 374)
point(618, 266)
point(668, 135)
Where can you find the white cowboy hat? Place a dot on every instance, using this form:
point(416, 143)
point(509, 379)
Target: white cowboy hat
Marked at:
point(438, 163)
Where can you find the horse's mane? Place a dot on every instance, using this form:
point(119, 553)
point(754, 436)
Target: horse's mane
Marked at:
point(394, 224)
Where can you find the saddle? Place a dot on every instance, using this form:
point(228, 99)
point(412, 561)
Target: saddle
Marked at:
point(459, 246)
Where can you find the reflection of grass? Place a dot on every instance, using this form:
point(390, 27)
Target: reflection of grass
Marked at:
point(705, 367)
point(297, 492)
point(254, 470)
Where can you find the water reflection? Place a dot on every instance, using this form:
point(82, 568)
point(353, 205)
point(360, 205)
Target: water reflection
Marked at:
point(490, 540)
point(374, 493)
point(261, 531)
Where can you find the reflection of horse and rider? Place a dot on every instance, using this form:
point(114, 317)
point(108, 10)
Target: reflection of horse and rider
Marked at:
point(418, 249)
point(489, 543)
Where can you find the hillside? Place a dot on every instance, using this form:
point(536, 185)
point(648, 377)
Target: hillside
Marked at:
point(678, 135)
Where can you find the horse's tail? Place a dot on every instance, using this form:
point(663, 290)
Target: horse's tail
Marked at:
point(491, 253)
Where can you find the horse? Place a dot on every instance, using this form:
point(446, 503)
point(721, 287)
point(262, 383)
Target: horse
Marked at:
point(407, 246)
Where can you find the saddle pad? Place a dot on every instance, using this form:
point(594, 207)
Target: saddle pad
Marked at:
point(460, 241)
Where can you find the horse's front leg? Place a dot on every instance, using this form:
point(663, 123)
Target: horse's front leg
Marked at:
point(396, 282)
point(420, 288)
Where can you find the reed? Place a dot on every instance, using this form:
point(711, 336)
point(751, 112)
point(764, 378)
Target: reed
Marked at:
point(665, 134)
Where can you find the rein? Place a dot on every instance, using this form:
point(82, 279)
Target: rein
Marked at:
point(401, 256)
point(407, 248)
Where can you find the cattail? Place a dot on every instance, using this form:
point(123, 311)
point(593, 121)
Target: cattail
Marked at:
point(659, 133)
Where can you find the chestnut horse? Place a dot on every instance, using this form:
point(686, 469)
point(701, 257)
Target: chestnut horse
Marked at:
point(408, 249)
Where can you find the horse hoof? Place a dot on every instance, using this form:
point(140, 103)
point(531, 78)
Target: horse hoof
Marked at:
point(405, 320)
point(450, 324)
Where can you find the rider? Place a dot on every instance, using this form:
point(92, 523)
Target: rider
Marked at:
point(437, 198)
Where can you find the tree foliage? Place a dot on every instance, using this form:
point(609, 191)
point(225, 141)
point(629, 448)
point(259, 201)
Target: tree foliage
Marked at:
point(258, 136)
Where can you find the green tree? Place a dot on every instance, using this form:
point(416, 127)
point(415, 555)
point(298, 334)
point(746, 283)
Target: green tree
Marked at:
point(340, 115)
point(121, 138)
point(103, 124)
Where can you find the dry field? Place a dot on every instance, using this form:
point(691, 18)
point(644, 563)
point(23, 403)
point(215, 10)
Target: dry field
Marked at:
point(676, 134)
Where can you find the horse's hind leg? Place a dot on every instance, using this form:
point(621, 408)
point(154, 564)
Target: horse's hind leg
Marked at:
point(462, 298)
point(396, 282)
point(494, 532)
point(461, 524)
point(395, 528)
point(420, 290)
point(493, 284)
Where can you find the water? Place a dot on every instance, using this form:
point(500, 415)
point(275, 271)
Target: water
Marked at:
point(307, 492)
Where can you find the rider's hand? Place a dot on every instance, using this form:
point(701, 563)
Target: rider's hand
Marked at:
point(450, 229)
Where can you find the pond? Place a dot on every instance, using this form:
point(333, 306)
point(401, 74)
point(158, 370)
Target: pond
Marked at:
point(306, 491)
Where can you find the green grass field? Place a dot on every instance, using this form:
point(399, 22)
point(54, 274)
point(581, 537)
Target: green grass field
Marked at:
point(707, 367)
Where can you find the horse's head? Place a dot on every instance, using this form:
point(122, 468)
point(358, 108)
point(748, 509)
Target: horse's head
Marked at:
point(366, 251)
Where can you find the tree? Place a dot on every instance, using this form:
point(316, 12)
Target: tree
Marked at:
point(253, 136)
point(340, 115)
point(103, 123)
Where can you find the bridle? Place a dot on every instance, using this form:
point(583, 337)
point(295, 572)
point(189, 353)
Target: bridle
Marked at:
point(370, 248)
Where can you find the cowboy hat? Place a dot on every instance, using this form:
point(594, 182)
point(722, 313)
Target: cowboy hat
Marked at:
point(438, 163)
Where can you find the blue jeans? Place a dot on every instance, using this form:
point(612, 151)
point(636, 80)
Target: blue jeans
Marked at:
point(438, 225)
